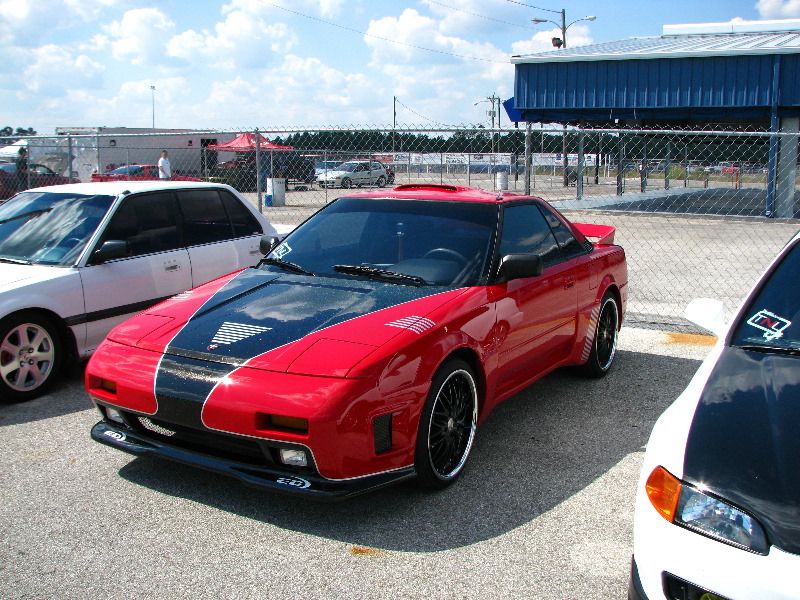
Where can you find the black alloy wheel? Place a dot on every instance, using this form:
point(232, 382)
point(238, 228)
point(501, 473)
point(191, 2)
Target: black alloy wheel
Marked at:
point(604, 345)
point(447, 426)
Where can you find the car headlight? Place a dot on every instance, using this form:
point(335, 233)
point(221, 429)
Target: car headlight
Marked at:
point(698, 511)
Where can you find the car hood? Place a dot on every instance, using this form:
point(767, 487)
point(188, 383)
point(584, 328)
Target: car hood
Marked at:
point(292, 323)
point(15, 276)
point(743, 443)
point(334, 173)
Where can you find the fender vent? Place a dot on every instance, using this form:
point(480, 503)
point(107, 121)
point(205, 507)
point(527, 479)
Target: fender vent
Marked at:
point(382, 433)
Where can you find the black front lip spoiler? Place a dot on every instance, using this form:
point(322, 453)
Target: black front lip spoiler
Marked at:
point(307, 486)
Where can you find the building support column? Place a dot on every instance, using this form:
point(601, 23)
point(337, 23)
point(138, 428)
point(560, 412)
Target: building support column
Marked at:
point(787, 169)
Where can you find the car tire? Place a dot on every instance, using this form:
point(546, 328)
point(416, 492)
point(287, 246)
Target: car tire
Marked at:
point(604, 344)
point(347, 183)
point(381, 181)
point(31, 356)
point(447, 425)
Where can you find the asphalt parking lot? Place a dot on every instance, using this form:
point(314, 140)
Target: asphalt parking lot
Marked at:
point(544, 509)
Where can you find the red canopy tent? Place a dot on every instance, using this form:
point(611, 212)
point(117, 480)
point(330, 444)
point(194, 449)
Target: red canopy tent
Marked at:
point(246, 142)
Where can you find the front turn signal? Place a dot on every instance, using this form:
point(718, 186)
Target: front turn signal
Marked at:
point(664, 490)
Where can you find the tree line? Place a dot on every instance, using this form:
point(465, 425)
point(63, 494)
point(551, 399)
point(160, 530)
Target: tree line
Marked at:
point(8, 135)
point(477, 140)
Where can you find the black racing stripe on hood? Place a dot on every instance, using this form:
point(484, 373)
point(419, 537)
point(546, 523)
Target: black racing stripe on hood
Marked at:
point(259, 311)
point(182, 386)
point(743, 443)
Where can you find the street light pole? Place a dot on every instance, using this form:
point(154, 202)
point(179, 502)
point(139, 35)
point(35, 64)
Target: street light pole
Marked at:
point(153, 97)
point(562, 43)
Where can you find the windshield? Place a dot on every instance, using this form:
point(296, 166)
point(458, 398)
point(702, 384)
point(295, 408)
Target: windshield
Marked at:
point(773, 319)
point(127, 170)
point(49, 228)
point(433, 243)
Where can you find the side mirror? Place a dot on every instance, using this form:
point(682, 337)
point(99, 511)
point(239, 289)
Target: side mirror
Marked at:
point(707, 313)
point(519, 266)
point(110, 250)
point(267, 243)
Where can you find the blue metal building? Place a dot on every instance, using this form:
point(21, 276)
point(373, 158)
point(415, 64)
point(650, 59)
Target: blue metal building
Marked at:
point(691, 76)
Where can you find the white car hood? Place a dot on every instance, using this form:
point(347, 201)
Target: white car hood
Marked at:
point(16, 276)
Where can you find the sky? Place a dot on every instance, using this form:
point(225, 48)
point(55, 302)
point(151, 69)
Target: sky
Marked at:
point(298, 64)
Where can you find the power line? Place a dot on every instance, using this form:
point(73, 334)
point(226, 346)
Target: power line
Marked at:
point(479, 15)
point(532, 6)
point(377, 37)
point(419, 115)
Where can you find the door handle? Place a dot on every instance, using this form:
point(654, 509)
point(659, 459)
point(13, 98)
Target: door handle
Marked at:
point(172, 267)
point(569, 282)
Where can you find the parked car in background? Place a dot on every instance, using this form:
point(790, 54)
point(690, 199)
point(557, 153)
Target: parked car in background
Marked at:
point(137, 173)
point(368, 346)
point(324, 166)
point(242, 175)
point(356, 173)
point(40, 176)
point(76, 260)
point(718, 496)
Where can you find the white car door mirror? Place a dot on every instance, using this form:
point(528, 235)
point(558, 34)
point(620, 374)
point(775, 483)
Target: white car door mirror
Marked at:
point(708, 313)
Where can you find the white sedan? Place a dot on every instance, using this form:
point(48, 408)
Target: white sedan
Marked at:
point(355, 173)
point(78, 259)
point(718, 501)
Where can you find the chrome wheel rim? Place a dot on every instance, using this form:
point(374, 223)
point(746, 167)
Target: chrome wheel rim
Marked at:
point(26, 357)
point(451, 430)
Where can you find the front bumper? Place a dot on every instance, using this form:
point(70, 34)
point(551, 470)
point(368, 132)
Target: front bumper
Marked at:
point(309, 485)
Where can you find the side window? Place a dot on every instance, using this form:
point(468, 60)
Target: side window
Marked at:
point(243, 221)
point(146, 222)
point(570, 247)
point(204, 218)
point(525, 231)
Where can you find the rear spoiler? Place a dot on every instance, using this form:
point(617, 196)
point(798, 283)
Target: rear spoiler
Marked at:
point(603, 233)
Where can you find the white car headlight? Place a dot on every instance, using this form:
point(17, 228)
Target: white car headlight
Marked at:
point(719, 520)
point(698, 511)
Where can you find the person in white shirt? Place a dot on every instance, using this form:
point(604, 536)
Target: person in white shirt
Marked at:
point(163, 166)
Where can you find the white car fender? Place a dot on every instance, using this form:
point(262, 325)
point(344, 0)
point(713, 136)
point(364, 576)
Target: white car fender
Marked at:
point(61, 293)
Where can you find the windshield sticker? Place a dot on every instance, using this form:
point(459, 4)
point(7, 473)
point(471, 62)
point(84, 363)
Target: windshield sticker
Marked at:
point(282, 251)
point(771, 324)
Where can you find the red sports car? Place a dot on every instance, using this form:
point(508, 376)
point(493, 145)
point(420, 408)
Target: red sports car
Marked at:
point(368, 345)
point(137, 173)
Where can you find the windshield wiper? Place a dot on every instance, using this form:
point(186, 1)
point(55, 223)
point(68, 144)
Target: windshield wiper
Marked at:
point(14, 261)
point(32, 213)
point(376, 273)
point(772, 349)
point(285, 264)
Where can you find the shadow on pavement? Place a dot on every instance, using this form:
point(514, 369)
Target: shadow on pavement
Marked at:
point(66, 398)
point(534, 451)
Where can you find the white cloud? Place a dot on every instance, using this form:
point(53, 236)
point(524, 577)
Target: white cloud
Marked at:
point(778, 9)
point(26, 22)
point(54, 69)
point(325, 8)
point(140, 37)
point(241, 41)
point(577, 35)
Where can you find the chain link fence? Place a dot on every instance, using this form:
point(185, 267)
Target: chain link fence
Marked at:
point(700, 212)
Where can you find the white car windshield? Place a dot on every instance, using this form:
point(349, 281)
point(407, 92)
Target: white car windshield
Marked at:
point(49, 228)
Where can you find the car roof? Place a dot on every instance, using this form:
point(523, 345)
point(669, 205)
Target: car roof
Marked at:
point(115, 188)
point(430, 191)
